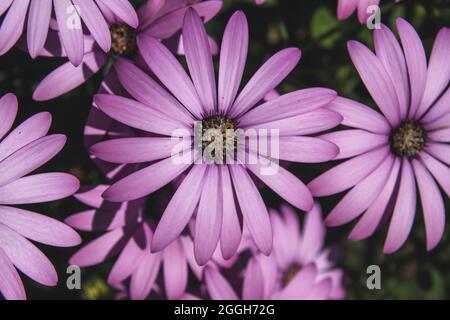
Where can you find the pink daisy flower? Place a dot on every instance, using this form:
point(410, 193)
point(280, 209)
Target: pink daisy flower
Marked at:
point(298, 268)
point(23, 150)
point(70, 15)
point(159, 19)
point(394, 152)
point(347, 7)
point(128, 232)
point(219, 191)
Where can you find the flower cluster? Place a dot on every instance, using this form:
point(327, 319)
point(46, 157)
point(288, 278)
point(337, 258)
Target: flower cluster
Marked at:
point(189, 152)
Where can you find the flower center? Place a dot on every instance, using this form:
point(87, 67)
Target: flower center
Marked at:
point(408, 139)
point(123, 40)
point(290, 273)
point(218, 138)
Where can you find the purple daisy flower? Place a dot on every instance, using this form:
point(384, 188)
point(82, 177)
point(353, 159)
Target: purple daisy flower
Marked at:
point(405, 145)
point(128, 233)
point(23, 150)
point(298, 268)
point(347, 7)
point(220, 191)
point(70, 15)
point(159, 19)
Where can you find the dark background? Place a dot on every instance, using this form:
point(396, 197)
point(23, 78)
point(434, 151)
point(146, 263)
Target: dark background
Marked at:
point(311, 25)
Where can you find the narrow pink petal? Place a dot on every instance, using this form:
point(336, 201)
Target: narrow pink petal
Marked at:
point(359, 116)
point(439, 109)
point(321, 290)
point(28, 131)
point(357, 200)
point(371, 219)
point(38, 25)
point(199, 60)
point(100, 249)
point(363, 6)
point(137, 115)
point(4, 5)
point(38, 227)
point(346, 8)
point(217, 286)
point(288, 105)
point(67, 77)
point(170, 72)
point(265, 79)
point(131, 255)
point(143, 279)
point(91, 195)
point(313, 235)
point(30, 157)
point(441, 135)
point(404, 211)
point(147, 91)
point(348, 173)
point(11, 286)
point(440, 151)
point(253, 287)
point(354, 142)
point(70, 29)
point(93, 18)
point(231, 233)
point(306, 149)
point(145, 181)
point(300, 285)
point(39, 188)
point(376, 80)
point(8, 112)
point(124, 10)
point(253, 208)
point(416, 61)
point(137, 150)
point(175, 270)
point(438, 73)
point(180, 208)
point(12, 25)
point(390, 53)
point(303, 124)
point(27, 257)
point(432, 205)
point(285, 247)
point(440, 171)
point(233, 55)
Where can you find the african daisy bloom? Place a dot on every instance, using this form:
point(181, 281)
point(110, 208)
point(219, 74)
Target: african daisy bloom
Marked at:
point(298, 268)
point(347, 7)
point(70, 15)
point(212, 186)
point(394, 152)
point(128, 232)
point(23, 150)
point(159, 19)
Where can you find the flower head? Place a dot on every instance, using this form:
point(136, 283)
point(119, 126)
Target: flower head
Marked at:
point(70, 17)
point(22, 151)
point(159, 19)
point(299, 267)
point(215, 190)
point(403, 148)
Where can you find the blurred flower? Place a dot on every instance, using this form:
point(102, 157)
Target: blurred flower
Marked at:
point(258, 2)
point(406, 144)
point(298, 268)
point(347, 7)
point(211, 186)
point(159, 19)
point(70, 16)
point(127, 232)
point(23, 150)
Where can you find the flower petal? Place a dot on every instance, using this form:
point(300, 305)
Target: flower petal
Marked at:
point(124, 10)
point(143, 279)
point(432, 204)
point(12, 25)
point(38, 25)
point(253, 287)
point(175, 270)
point(306, 149)
point(404, 211)
point(346, 8)
point(265, 79)
point(313, 236)
point(376, 79)
point(440, 171)
point(8, 112)
point(253, 208)
point(233, 55)
point(180, 209)
point(199, 60)
point(11, 286)
point(218, 288)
